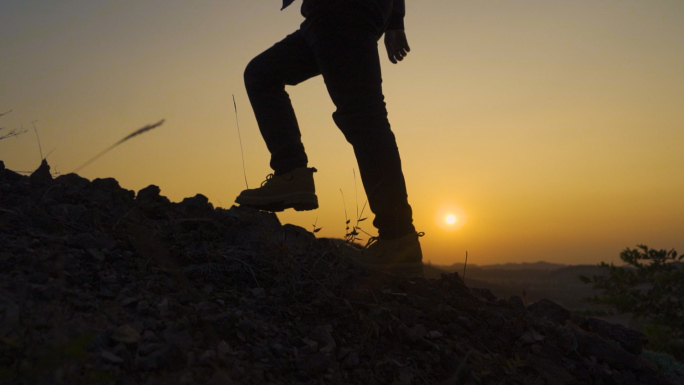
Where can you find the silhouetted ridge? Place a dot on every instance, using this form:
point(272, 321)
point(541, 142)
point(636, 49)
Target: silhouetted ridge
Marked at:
point(100, 285)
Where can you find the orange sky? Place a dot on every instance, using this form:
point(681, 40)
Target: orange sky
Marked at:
point(553, 129)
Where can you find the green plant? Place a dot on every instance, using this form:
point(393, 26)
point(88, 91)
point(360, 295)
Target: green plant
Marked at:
point(513, 364)
point(650, 286)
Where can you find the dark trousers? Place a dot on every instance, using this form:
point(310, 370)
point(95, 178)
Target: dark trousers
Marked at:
point(337, 40)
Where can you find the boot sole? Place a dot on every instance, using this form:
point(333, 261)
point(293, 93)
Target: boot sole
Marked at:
point(297, 201)
point(402, 269)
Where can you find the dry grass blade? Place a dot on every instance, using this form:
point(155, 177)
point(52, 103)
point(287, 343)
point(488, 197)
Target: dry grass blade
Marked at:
point(134, 134)
point(242, 152)
point(40, 148)
point(11, 133)
point(141, 131)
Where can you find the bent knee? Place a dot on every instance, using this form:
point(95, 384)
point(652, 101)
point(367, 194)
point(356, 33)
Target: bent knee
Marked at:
point(368, 129)
point(371, 120)
point(258, 75)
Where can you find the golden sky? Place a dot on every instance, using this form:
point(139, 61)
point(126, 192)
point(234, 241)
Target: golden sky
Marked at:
point(552, 129)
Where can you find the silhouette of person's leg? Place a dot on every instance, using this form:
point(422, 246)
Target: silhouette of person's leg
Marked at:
point(338, 39)
point(289, 62)
point(344, 43)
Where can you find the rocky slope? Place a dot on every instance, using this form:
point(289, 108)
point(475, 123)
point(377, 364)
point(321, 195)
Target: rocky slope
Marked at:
point(99, 284)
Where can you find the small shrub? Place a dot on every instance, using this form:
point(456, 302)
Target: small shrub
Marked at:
point(651, 287)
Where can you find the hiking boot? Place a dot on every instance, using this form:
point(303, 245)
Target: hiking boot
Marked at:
point(401, 256)
point(294, 189)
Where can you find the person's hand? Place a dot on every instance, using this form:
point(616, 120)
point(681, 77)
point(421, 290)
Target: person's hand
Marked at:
point(396, 44)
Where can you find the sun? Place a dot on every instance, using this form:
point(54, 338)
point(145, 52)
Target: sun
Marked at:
point(450, 217)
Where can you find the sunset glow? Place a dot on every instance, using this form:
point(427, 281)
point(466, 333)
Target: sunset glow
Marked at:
point(528, 130)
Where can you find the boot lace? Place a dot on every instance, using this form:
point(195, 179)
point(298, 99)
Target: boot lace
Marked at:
point(373, 240)
point(268, 179)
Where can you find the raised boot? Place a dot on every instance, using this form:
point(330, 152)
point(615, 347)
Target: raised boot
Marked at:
point(401, 256)
point(294, 189)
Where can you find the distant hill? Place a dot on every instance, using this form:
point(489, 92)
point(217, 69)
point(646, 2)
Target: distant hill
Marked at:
point(540, 265)
point(530, 281)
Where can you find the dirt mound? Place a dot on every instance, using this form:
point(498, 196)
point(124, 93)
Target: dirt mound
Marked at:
point(103, 285)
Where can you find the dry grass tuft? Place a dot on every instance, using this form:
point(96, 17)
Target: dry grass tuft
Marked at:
point(132, 135)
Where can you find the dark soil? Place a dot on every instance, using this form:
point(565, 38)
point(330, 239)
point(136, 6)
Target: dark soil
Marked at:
point(99, 284)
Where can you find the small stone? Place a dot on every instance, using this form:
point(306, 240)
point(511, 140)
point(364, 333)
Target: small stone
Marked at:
point(12, 317)
point(111, 357)
point(676, 346)
point(565, 339)
point(142, 307)
point(407, 333)
point(551, 372)
point(311, 345)
point(410, 316)
point(321, 334)
point(494, 320)
point(352, 360)
point(434, 334)
point(549, 310)
point(126, 334)
point(258, 292)
point(187, 378)
point(466, 322)
point(223, 349)
point(146, 348)
point(516, 302)
point(172, 357)
point(192, 359)
point(419, 330)
point(530, 337)
point(405, 378)
point(315, 363)
point(88, 241)
point(129, 301)
point(95, 253)
point(343, 352)
point(220, 377)
point(147, 363)
point(120, 349)
point(485, 293)
point(208, 357)
point(150, 323)
point(148, 335)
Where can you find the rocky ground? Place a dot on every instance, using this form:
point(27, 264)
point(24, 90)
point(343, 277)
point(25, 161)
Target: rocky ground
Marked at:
point(99, 284)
